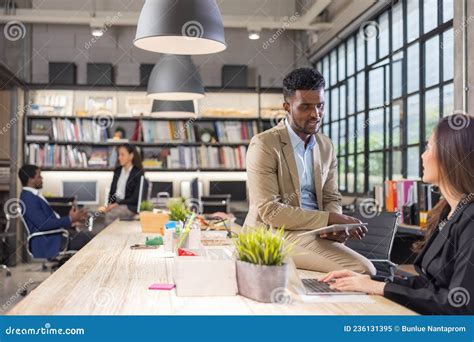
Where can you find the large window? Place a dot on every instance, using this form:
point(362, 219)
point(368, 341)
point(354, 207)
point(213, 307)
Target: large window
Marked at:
point(386, 92)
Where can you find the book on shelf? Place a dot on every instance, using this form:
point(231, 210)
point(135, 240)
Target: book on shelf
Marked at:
point(37, 137)
point(180, 157)
point(68, 156)
point(117, 140)
point(52, 102)
point(113, 156)
point(190, 157)
point(56, 156)
point(77, 130)
point(222, 157)
point(167, 131)
point(413, 199)
point(235, 131)
point(88, 130)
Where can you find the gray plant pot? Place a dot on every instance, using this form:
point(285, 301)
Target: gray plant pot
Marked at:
point(261, 282)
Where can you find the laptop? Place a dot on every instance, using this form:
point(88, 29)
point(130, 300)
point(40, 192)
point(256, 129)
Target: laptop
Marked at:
point(311, 286)
point(314, 287)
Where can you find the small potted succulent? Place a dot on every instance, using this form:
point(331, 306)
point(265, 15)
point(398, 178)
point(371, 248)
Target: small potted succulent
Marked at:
point(177, 210)
point(261, 262)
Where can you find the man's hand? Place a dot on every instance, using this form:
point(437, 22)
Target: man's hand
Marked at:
point(335, 218)
point(336, 236)
point(78, 215)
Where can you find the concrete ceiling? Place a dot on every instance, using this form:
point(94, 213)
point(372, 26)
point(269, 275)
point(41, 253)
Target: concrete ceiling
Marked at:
point(250, 14)
point(323, 20)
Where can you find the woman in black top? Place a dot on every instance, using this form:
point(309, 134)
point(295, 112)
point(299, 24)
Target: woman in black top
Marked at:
point(445, 264)
point(125, 188)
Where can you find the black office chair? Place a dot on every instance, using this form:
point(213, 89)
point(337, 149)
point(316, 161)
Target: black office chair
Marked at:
point(215, 203)
point(4, 237)
point(53, 263)
point(377, 243)
point(348, 205)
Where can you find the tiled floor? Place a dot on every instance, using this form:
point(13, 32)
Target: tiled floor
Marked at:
point(24, 277)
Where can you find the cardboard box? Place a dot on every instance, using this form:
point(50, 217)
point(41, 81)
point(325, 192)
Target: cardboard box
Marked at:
point(153, 222)
point(212, 273)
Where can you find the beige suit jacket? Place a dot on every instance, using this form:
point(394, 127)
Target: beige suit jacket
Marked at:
point(274, 186)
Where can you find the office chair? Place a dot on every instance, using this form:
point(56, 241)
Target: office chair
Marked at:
point(4, 235)
point(57, 261)
point(215, 203)
point(348, 205)
point(377, 243)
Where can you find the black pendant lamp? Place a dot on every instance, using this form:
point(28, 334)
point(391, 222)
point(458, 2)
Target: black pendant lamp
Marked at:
point(175, 78)
point(173, 107)
point(181, 27)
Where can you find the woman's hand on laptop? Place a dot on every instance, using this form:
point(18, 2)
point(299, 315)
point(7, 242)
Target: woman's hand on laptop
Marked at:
point(339, 274)
point(347, 281)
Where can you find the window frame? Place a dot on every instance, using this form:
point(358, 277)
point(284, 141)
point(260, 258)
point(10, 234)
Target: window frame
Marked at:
point(388, 125)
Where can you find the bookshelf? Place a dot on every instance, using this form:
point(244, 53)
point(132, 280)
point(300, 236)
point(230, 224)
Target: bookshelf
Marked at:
point(64, 132)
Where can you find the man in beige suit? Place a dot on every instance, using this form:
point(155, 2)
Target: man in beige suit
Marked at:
point(292, 180)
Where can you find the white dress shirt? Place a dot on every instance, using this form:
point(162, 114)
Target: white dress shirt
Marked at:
point(122, 183)
point(40, 195)
point(304, 164)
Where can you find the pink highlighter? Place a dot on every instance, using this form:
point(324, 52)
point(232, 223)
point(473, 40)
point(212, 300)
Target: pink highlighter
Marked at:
point(164, 287)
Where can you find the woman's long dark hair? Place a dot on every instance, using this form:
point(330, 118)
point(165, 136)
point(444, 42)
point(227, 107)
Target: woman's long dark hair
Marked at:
point(137, 159)
point(454, 153)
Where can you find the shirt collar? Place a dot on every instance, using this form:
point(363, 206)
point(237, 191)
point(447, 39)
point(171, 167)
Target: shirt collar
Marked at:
point(32, 190)
point(127, 172)
point(296, 141)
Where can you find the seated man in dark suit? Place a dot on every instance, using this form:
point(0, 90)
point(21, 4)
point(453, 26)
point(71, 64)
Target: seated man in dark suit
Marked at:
point(40, 217)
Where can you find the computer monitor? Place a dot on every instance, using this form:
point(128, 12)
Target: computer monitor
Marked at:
point(236, 189)
point(157, 187)
point(188, 189)
point(195, 193)
point(142, 192)
point(86, 192)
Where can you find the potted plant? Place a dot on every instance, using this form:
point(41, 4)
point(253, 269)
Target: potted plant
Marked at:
point(261, 262)
point(152, 222)
point(177, 210)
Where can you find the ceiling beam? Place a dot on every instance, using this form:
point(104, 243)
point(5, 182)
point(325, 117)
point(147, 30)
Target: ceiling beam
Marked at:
point(117, 18)
point(316, 9)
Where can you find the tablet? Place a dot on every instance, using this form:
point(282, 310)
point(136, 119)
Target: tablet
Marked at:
point(347, 227)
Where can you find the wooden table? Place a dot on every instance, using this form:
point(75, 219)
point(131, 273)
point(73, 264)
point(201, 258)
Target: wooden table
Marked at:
point(106, 277)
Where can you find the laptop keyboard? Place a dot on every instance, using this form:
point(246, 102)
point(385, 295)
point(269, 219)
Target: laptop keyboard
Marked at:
point(316, 286)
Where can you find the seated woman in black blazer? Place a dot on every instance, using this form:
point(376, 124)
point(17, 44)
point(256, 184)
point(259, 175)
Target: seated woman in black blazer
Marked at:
point(125, 188)
point(445, 264)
